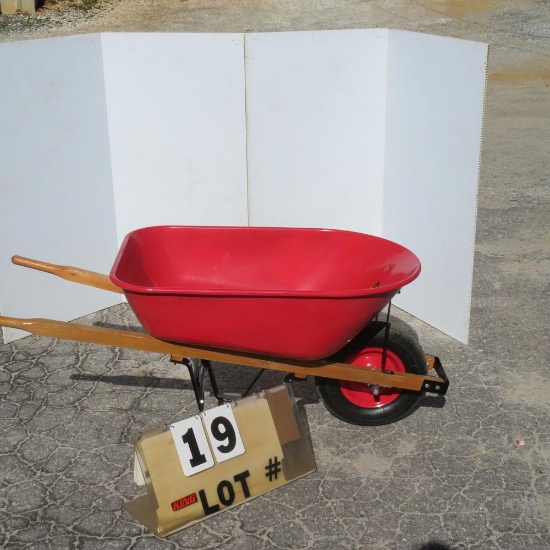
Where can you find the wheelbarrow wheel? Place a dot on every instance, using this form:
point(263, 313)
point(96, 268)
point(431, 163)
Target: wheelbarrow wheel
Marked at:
point(363, 404)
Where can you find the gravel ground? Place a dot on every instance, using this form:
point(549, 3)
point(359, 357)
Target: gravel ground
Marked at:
point(51, 19)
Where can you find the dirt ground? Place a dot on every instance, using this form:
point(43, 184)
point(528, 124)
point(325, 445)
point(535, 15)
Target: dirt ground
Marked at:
point(517, 30)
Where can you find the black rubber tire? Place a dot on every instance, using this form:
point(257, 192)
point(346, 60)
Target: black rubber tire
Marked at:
point(407, 350)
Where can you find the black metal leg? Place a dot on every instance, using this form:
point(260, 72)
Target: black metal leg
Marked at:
point(222, 398)
point(386, 338)
point(256, 378)
point(197, 373)
point(198, 370)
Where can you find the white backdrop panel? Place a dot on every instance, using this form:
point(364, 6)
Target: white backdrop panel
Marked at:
point(177, 128)
point(435, 100)
point(56, 200)
point(373, 130)
point(316, 117)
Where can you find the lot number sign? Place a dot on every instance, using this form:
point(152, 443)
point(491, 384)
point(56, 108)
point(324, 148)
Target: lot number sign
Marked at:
point(222, 457)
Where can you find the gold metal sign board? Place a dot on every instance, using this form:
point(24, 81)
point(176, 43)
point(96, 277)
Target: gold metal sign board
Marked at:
point(208, 463)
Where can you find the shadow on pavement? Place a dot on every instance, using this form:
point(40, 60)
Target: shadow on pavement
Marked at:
point(433, 545)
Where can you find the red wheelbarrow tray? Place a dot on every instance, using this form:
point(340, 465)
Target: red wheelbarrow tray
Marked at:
point(284, 299)
point(289, 292)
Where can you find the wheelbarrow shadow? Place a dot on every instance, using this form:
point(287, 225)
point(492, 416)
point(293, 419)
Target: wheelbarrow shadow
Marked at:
point(434, 545)
point(136, 381)
point(234, 380)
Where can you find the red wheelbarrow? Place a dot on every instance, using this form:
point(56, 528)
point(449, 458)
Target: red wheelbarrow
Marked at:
point(302, 301)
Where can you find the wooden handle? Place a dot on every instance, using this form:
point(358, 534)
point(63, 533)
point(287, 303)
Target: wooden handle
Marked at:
point(146, 342)
point(74, 274)
point(92, 334)
point(14, 322)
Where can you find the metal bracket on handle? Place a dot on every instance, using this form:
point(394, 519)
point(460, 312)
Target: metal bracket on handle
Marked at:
point(440, 385)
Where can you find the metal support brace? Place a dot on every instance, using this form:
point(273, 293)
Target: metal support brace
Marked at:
point(198, 371)
point(386, 339)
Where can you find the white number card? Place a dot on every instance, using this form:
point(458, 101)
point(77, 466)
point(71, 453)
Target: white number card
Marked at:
point(223, 432)
point(191, 437)
point(192, 445)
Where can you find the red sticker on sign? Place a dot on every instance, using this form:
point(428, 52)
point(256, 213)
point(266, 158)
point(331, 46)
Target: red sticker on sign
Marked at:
point(183, 502)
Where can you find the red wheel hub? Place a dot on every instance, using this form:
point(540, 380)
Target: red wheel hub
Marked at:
point(362, 395)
